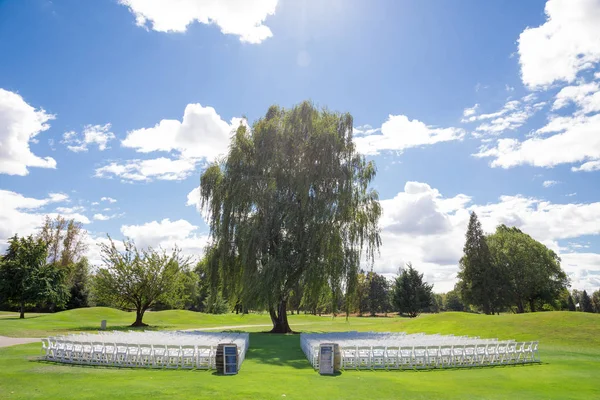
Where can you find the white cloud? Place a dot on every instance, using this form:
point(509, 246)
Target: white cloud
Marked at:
point(92, 134)
point(470, 111)
point(70, 210)
point(577, 141)
point(511, 105)
point(147, 170)
point(548, 184)
point(193, 198)
point(511, 116)
point(104, 217)
point(24, 215)
point(571, 194)
point(588, 166)
point(20, 123)
point(364, 130)
point(567, 43)
point(201, 134)
point(583, 270)
point(235, 17)
point(399, 133)
point(585, 95)
point(166, 234)
point(422, 226)
point(109, 199)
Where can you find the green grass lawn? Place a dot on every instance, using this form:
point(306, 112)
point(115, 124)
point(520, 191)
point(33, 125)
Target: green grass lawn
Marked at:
point(275, 367)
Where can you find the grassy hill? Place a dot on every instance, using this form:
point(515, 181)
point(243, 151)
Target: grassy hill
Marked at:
point(275, 365)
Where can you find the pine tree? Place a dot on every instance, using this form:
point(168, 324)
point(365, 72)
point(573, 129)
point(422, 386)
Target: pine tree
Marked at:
point(411, 295)
point(571, 303)
point(586, 303)
point(477, 281)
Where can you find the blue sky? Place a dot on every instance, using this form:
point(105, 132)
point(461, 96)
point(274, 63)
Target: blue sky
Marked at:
point(491, 107)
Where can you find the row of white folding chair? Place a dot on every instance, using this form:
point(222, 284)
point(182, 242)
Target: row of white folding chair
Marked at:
point(439, 356)
point(131, 355)
point(157, 342)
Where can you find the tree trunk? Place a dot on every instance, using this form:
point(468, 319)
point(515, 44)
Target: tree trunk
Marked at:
point(532, 305)
point(22, 310)
point(520, 307)
point(279, 318)
point(139, 315)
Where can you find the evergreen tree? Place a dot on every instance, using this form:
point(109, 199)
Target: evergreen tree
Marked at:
point(479, 284)
point(571, 304)
point(378, 293)
point(79, 283)
point(586, 303)
point(596, 301)
point(411, 295)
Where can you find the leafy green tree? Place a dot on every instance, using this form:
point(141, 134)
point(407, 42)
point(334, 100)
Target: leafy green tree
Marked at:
point(79, 284)
point(453, 302)
point(215, 304)
point(411, 294)
point(437, 303)
point(480, 283)
point(66, 240)
point(361, 295)
point(290, 202)
point(67, 245)
point(26, 279)
point(586, 303)
point(531, 272)
point(596, 301)
point(378, 295)
point(136, 280)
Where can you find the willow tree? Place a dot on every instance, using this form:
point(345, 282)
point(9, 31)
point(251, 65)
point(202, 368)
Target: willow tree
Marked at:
point(289, 204)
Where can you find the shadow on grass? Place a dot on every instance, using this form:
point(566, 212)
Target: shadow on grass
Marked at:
point(277, 349)
point(122, 328)
point(105, 367)
point(17, 318)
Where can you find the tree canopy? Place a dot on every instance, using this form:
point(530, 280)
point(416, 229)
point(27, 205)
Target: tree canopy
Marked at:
point(508, 269)
point(529, 272)
point(411, 294)
point(290, 203)
point(133, 279)
point(26, 278)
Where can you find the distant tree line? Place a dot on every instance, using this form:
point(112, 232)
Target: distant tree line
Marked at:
point(506, 271)
point(293, 218)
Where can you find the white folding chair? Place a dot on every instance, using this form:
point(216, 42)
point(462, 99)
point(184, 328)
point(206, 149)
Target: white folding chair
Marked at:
point(378, 357)
point(145, 358)
point(159, 356)
point(98, 354)
point(188, 356)
point(391, 357)
point(419, 360)
point(348, 357)
point(446, 357)
point(173, 356)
